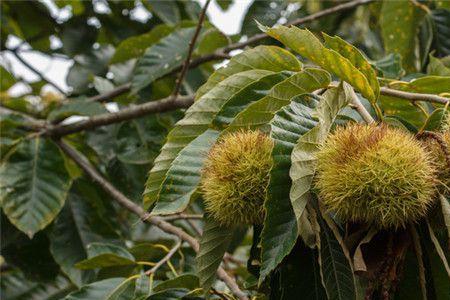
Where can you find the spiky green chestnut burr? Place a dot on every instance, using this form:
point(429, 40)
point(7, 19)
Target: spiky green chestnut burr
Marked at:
point(375, 174)
point(235, 178)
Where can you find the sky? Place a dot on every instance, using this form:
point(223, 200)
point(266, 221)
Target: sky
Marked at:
point(56, 68)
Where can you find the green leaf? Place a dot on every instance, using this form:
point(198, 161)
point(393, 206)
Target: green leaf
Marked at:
point(95, 290)
point(186, 281)
point(264, 12)
point(399, 23)
point(15, 286)
point(335, 270)
point(103, 85)
point(390, 66)
point(356, 57)
point(211, 40)
point(299, 274)
point(77, 36)
point(438, 265)
point(183, 175)
point(303, 158)
point(269, 58)
point(441, 19)
point(167, 11)
point(172, 294)
point(280, 226)
point(247, 96)
point(78, 225)
point(213, 245)
point(306, 44)
point(6, 79)
point(425, 85)
point(30, 256)
point(196, 120)
point(34, 185)
point(439, 67)
point(142, 287)
point(124, 290)
point(162, 58)
point(105, 255)
point(76, 107)
point(435, 120)
point(135, 46)
point(262, 111)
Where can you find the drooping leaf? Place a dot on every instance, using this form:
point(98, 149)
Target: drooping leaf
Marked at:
point(335, 270)
point(34, 185)
point(183, 176)
point(95, 290)
point(306, 44)
point(399, 23)
point(102, 255)
point(280, 226)
point(161, 58)
point(269, 58)
point(303, 156)
point(196, 120)
point(213, 245)
point(262, 111)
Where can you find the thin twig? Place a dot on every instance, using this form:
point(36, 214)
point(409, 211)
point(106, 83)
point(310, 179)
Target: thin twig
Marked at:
point(186, 63)
point(35, 71)
point(133, 112)
point(165, 258)
point(140, 212)
point(413, 96)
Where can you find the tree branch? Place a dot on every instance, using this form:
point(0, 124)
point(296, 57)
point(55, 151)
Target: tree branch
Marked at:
point(133, 112)
point(35, 71)
point(140, 212)
point(413, 96)
point(187, 62)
